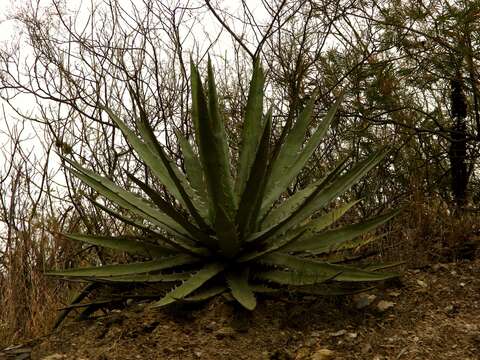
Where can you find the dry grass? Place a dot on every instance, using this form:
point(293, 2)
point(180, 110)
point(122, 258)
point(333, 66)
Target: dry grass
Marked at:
point(28, 299)
point(428, 231)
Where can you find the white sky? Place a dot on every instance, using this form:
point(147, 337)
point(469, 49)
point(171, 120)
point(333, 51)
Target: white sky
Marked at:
point(8, 30)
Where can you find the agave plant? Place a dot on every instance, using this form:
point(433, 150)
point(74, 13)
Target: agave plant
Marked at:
point(225, 233)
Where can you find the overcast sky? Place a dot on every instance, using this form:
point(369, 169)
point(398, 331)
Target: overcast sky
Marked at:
point(6, 28)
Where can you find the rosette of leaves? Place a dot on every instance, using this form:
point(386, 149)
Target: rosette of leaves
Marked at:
point(230, 231)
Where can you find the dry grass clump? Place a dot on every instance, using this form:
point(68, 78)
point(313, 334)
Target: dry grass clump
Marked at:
point(429, 231)
point(29, 300)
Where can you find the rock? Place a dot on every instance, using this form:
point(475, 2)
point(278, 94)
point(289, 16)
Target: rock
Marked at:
point(225, 332)
point(385, 305)
point(54, 357)
point(338, 333)
point(363, 300)
point(451, 309)
point(422, 283)
point(211, 326)
point(323, 354)
point(303, 353)
point(366, 348)
point(394, 293)
point(310, 341)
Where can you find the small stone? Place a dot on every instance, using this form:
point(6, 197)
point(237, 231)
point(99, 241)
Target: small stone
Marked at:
point(54, 357)
point(422, 283)
point(385, 305)
point(366, 348)
point(310, 341)
point(338, 333)
point(211, 326)
point(394, 293)
point(322, 354)
point(363, 300)
point(451, 309)
point(303, 353)
point(225, 332)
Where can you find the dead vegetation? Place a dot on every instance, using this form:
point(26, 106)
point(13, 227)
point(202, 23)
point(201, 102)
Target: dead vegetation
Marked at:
point(403, 102)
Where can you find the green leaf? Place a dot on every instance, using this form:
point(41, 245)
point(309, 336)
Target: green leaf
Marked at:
point(340, 289)
point(127, 269)
point(255, 187)
point(294, 202)
point(137, 205)
point(216, 129)
point(273, 231)
point(238, 282)
point(293, 277)
point(271, 245)
point(194, 170)
point(318, 224)
point(152, 160)
point(291, 158)
point(130, 244)
point(152, 153)
point(375, 267)
point(263, 289)
point(285, 241)
point(324, 195)
point(138, 224)
point(188, 196)
point(125, 219)
point(332, 240)
point(147, 278)
point(205, 294)
point(199, 105)
point(252, 129)
point(169, 210)
point(213, 150)
point(192, 284)
point(337, 272)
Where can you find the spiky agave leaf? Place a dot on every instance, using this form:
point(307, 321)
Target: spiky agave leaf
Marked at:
point(292, 158)
point(252, 129)
point(238, 281)
point(331, 240)
point(251, 199)
point(213, 148)
point(192, 284)
point(130, 244)
point(193, 169)
point(229, 236)
point(127, 269)
point(318, 268)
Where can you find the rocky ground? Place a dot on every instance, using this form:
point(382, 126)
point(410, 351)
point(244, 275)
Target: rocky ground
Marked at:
point(432, 313)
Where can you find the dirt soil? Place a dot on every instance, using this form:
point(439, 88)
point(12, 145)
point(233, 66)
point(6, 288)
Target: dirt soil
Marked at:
point(432, 313)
